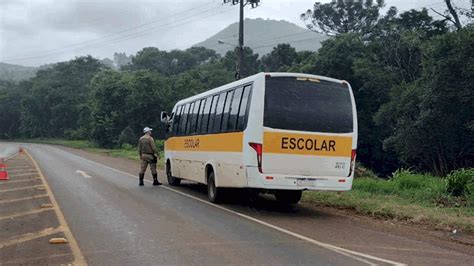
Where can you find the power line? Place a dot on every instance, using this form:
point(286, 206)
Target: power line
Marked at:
point(118, 33)
point(133, 36)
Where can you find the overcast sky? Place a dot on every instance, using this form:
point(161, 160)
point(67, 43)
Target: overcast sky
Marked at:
point(35, 32)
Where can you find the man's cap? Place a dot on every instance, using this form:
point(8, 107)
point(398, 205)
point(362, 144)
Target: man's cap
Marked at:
point(147, 129)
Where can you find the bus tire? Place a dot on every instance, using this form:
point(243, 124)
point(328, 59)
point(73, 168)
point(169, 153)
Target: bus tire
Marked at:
point(288, 196)
point(213, 193)
point(174, 181)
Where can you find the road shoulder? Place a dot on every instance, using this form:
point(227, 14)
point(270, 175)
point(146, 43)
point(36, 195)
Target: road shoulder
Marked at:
point(30, 218)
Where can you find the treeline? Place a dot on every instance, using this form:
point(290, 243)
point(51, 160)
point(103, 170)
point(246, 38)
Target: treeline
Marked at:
point(412, 75)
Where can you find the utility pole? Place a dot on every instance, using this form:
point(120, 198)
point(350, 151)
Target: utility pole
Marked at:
point(240, 48)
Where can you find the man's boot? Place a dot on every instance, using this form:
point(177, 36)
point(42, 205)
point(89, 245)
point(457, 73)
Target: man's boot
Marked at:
point(141, 176)
point(155, 180)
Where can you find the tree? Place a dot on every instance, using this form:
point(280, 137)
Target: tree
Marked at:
point(250, 62)
point(107, 106)
point(280, 59)
point(173, 62)
point(121, 60)
point(54, 102)
point(342, 16)
point(431, 118)
point(10, 102)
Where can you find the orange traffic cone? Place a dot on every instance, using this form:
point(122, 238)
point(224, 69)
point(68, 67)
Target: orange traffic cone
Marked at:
point(3, 172)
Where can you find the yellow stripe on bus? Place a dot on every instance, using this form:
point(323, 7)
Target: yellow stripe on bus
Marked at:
point(307, 144)
point(223, 142)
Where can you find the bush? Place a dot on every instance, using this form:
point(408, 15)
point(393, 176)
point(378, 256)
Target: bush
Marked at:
point(127, 137)
point(460, 182)
point(160, 145)
point(128, 147)
point(73, 134)
point(361, 171)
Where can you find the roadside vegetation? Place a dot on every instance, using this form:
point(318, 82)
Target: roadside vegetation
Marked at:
point(127, 151)
point(444, 203)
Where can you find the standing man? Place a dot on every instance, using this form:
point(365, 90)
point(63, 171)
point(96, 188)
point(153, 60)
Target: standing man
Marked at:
point(148, 155)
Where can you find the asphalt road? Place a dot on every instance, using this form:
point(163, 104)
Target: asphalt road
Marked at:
point(116, 222)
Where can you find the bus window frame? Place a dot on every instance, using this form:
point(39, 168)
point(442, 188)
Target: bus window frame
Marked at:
point(213, 112)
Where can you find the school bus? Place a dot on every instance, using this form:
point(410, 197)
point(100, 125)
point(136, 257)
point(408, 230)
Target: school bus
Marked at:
point(278, 133)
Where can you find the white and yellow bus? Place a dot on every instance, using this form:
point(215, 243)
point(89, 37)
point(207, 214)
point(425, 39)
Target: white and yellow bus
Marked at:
point(278, 133)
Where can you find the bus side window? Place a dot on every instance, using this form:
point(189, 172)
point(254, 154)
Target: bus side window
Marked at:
point(225, 115)
point(212, 115)
point(219, 113)
point(192, 129)
point(205, 119)
point(176, 118)
point(200, 116)
point(190, 118)
point(183, 120)
point(234, 109)
point(243, 112)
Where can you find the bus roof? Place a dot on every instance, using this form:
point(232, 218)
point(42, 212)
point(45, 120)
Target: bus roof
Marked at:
point(252, 78)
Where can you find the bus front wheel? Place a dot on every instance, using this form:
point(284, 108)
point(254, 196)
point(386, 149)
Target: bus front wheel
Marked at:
point(288, 196)
point(174, 181)
point(214, 193)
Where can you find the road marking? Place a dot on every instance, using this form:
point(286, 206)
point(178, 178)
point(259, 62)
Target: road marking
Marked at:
point(21, 181)
point(19, 214)
point(79, 259)
point(29, 260)
point(343, 251)
point(26, 174)
point(84, 174)
point(19, 170)
point(29, 236)
point(21, 188)
point(22, 199)
point(20, 167)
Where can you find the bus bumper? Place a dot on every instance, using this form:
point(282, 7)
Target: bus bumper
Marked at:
point(297, 182)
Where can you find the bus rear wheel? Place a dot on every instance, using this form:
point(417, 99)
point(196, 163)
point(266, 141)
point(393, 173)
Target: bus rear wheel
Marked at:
point(213, 192)
point(288, 196)
point(174, 181)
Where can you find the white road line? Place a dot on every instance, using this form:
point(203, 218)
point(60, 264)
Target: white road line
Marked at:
point(84, 174)
point(343, 251)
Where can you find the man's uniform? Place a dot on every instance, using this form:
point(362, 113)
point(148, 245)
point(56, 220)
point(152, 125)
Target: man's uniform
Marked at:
point(147, 151)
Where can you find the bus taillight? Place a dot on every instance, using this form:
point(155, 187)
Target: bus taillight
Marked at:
point(259, 149)
point(353, 157)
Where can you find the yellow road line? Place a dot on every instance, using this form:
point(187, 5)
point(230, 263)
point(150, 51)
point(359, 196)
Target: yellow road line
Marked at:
point(22, 199)
point(29, 236)
point(19, 214)
point(78, 257)
point(20, 188)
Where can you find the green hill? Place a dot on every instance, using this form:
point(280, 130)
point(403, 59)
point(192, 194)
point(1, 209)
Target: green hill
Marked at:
point(262, 35)
point(16, 72)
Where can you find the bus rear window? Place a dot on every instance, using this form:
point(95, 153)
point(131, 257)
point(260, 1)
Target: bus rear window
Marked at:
point(307, 105)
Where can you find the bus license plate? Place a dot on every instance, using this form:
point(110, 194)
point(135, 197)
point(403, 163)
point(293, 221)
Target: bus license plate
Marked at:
point(306, 182)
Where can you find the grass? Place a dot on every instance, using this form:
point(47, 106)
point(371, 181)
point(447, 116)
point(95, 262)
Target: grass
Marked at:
point(408, 196)
point(128, 151)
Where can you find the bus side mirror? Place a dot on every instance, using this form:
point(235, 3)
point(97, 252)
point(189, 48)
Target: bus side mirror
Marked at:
point(164, 117)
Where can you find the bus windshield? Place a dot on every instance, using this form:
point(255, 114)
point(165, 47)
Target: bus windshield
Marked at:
point(305, 104)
